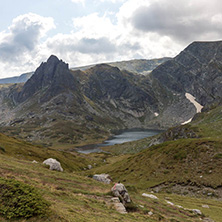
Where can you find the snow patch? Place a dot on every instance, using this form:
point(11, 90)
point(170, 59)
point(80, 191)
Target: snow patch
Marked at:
point(198, 106)
point(193, 100)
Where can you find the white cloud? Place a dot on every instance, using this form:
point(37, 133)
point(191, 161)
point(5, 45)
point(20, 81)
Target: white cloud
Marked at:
point(79, 1)
point(97, 39)
point(139, 29)
point(184, 20)
point(113, 1)
point(94, 26)
point(19, 44)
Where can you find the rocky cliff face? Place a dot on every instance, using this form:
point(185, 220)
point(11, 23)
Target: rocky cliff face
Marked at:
point(197, 70)
point(53, 77)
point(78, 105)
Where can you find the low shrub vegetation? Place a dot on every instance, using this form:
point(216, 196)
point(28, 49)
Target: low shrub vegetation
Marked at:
point(19, 200)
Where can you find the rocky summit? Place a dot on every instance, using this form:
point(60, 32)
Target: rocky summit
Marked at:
point(60, 105)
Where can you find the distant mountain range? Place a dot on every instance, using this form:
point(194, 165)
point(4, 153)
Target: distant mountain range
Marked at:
point(139, 66)
point(17, 79)
point(62, 106)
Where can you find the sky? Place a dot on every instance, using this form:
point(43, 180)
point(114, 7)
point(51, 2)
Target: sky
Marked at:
point(83, 32)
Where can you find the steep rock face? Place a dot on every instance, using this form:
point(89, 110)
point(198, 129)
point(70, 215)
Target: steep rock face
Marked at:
point(53, 76)
point(108, 83)
point(196, 70)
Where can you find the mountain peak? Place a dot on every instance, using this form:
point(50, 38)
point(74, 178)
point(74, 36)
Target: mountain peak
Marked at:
point(53, 60)
point(51, 74)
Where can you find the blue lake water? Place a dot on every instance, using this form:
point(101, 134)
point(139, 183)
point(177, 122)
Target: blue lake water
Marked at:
point(121, 137)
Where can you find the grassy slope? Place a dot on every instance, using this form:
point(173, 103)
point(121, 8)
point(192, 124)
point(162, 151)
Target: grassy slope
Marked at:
point(23, 150)
point(78, 198)
point(193, 161)
point(177, 160)
point(75, 197)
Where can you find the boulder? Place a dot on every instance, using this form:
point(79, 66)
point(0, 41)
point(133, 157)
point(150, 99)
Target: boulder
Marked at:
point(150, 213)
point(54, 164)
point(105, 178)
point(150, 196)
point(119, 206)
point(196, 211)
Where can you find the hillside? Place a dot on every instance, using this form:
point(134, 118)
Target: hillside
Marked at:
point(59, 109)
point(188, 156)
point(72, 196)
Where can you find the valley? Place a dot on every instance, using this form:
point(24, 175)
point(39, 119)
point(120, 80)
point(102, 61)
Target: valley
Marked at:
point(59, 109)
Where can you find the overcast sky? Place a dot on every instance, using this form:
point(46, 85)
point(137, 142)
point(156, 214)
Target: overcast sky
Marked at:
point(83, 32)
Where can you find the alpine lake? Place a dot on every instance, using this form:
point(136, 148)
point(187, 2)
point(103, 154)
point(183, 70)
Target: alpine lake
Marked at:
point(122, 136)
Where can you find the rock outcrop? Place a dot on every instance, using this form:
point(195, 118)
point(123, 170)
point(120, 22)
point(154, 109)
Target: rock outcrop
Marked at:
point(52, 78)
point(118, 205)
point(53, 164)
point(105, 178)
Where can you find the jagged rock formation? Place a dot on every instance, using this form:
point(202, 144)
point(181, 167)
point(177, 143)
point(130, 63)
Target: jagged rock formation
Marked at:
point(64, 106)
point(52, 77)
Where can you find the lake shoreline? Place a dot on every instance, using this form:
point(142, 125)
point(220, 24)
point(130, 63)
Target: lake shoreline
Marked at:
point(120, 136)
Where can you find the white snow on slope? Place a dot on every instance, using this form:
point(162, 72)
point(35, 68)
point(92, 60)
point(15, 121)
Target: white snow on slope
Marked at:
point(195, 103)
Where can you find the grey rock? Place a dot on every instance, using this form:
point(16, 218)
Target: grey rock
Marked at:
point(170, 203)
point(54, 164)
point(196, 211)
point(119, 206)
point(205, 206)
point(105, 178)
point(150, 213)
point(150, 196)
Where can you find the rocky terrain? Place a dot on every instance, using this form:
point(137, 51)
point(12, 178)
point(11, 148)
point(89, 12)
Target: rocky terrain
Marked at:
point(174, 176)
point(61, 105)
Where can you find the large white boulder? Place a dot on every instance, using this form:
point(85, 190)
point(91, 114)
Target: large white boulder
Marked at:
point(54, 164)
point(105, 178)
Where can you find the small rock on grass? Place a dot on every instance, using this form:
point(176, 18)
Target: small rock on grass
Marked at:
point(205, 206)
point(150, 196)
point(196, 211)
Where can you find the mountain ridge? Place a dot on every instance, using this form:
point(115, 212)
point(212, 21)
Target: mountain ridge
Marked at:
point(138, 66)
point(112, 98)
